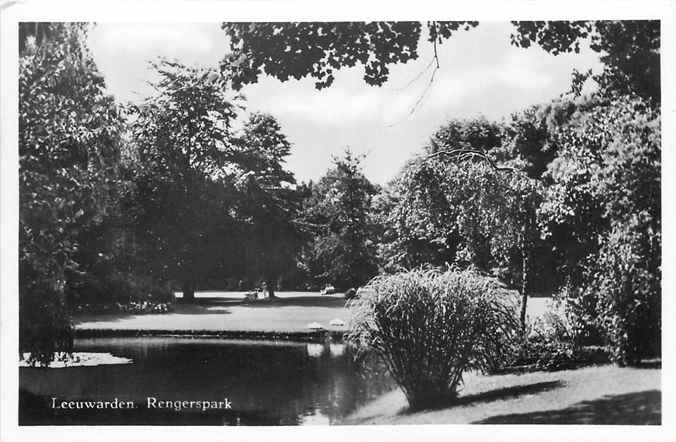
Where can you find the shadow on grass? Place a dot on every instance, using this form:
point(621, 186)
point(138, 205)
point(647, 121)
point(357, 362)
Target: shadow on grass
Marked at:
point(509, 392)
point(211, 305)
point(206, 306)
point(650, 363)
point(492, 395)
point(643, 408)
point(305, 301)
point(197, 308)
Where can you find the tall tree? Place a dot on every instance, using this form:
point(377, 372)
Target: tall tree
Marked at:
point(603, 211)
point(68, 150)
point(184, 147)
point(343, 250)
point(271, 204)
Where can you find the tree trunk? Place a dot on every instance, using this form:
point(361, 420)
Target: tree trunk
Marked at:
point(271, 287)
point(188, 291)
point(524, 278)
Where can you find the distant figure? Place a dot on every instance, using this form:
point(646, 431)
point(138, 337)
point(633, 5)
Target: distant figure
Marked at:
point(328, 290)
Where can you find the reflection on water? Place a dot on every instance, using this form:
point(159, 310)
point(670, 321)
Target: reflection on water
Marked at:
point(315, 350)
point(268, 383)
point(337, 350)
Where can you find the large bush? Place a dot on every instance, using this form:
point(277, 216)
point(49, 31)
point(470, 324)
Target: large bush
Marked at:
point(431, 327)
point(552, 344)
point(627, 278)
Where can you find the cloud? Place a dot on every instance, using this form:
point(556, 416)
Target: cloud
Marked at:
point(122, 51)
point(146, 39)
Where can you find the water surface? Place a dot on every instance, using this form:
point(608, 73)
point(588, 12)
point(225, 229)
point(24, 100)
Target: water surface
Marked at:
point(267, 383)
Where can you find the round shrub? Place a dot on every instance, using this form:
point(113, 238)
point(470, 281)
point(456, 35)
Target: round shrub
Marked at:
point(430, 327)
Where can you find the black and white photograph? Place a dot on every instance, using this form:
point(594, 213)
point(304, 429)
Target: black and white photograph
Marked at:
point(275, 223)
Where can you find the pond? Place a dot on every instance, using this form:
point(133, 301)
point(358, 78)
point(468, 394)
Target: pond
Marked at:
point(265, 383)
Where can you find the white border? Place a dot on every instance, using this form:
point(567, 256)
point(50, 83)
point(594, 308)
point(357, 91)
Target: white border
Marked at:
point(301, 10)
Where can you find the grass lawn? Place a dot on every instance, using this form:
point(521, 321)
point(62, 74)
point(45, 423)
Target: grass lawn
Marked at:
point(593, 395)
point(291, 312)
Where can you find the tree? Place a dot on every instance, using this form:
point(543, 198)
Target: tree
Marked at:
point(184, 176)
point(270, 206)
point(467, 213)
point(529, 136)
point(68, 148)
point(343, 251)
point(603, 212)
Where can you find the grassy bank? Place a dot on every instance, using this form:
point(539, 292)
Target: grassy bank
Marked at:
point(593, 395)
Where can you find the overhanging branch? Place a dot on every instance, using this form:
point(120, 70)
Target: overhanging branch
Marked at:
point(465, 154)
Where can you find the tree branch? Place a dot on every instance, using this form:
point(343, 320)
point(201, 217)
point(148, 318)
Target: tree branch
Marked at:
point(464, 154)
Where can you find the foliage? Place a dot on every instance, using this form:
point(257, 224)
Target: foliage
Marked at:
point(627, 279)
point(68, 151)
point(270, 205)
point(551, 344)
point(529, 136)
point(540, 353)
point(603, 213)
point(581, 315)
point(318, 49)
point(548, 345)
point(180, 164)
point(431, 327)
point(338, 213)
point(630, 51)
point(607, 170)
point(441, 211)
point(464, 213)
point(116, 212)
point(474, 133)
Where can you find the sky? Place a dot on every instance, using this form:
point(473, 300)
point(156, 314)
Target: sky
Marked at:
point(480, 74)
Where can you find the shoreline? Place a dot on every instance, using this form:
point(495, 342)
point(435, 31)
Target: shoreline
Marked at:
point(302, 336)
